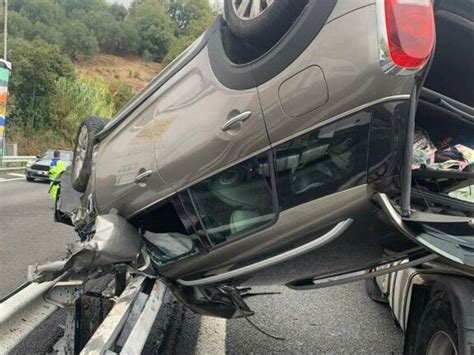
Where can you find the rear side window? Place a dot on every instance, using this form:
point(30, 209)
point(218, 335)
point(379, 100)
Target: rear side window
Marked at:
point(324, 161)
point(236, 201)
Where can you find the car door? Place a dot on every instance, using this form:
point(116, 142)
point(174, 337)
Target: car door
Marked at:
point(126, 172)
point(202, 127)
point(190, 127)
point(126, 175)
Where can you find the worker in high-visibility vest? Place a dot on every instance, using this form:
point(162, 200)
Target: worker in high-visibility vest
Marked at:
point(57, 166)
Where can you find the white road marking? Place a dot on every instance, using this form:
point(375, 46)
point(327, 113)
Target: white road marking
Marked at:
point(211, 338)
point(15, 179)
point(16, 174)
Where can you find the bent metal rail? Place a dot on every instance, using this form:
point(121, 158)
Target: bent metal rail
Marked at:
point(27, 307)
point(20, 159)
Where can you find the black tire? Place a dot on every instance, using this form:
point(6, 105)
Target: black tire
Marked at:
point(436, 329)
point(30, 179)
point(82, 161)
point(269, 27)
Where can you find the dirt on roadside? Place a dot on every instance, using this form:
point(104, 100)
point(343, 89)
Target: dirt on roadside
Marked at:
point(133, 71)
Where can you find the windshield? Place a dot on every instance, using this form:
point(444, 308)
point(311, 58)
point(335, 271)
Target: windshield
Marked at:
point(63, 155)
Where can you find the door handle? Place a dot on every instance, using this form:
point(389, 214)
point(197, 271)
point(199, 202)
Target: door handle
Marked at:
point(143, 176)
point(241, 117)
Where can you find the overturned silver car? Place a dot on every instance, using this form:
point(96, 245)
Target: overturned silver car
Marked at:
point(286, 158)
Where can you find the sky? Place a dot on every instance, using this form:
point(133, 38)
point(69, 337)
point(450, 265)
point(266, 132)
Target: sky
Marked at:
point(123, 2)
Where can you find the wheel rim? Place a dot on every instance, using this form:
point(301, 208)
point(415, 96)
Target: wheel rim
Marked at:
point(250, 9)
point(441, 343)
point(80, 153)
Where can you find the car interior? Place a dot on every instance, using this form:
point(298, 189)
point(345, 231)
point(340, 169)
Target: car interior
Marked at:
point(323, 161)
point(443, 165)
point(435, 186)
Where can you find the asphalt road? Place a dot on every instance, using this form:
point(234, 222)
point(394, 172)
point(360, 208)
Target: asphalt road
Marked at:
point(28, 233)
point(341, 319)
point(335, 320)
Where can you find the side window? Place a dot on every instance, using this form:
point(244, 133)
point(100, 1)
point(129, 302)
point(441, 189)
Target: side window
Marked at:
point(323, 161)
point(167, 232)
point(236, 201)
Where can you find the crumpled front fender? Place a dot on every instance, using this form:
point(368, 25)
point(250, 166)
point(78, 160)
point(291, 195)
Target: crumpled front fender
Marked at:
point(115, 241)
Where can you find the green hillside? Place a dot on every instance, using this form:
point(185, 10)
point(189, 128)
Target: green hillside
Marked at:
point(74, 58)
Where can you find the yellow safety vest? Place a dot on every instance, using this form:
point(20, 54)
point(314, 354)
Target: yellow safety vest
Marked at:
point(54, 172)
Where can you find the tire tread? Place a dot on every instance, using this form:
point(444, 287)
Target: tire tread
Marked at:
point(94, 125)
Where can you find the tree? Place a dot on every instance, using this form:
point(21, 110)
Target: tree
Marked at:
point(78, 40)
point(79, 15)
point(199, 16)
point(107, 31)
point(131, 38)
point(18, 25)
point(46, 33)
point(188, 13)
point(177, 47)
point(154, 27)
point(37, 67)
point(86, 5)
point(44, 11)
point(16, 5)
point(118, 11)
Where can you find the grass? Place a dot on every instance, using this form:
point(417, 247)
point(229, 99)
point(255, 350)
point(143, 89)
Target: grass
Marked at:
point(38, 142)
point(133, 71)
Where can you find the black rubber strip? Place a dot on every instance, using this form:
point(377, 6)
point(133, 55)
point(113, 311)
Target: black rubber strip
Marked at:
point(428, 173)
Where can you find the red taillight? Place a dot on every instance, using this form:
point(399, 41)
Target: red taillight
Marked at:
point(410, 31)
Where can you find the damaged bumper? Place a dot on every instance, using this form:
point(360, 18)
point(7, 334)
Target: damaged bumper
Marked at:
point(115, 241)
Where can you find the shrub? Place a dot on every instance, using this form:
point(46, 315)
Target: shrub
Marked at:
point(77, 99)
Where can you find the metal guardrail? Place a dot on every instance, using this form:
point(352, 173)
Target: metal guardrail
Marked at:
point(14, 168)
point(25, 309)
point(130, 321)
point(18, 159)
point(128, 324)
